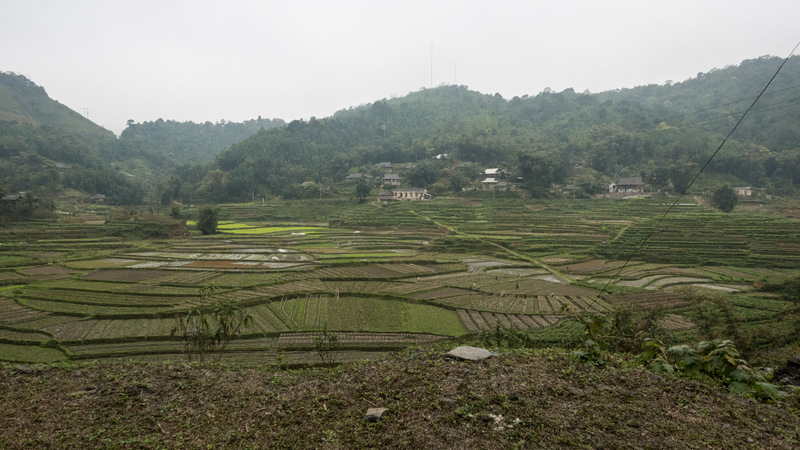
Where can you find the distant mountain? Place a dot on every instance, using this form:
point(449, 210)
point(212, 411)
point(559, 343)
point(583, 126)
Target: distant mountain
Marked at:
point(659, 132)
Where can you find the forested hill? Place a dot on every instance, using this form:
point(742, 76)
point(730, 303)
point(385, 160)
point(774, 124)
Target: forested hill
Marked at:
point(171, 143)
point(23, 102)
point(46, 147)
point(661, 132)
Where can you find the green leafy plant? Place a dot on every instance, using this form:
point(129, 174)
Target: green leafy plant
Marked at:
point(655, 355)
point(718, 359)
point(593, 352)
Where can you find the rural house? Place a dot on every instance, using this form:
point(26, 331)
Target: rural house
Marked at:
point(490, 184)
point(14, 199)
point(385, 195)
point(497, 173)
point(390, 178)
point(355, 177)
point(634, 184)
point(404, 194)
point(744, 191)
point(98, 198)
point(411, 194)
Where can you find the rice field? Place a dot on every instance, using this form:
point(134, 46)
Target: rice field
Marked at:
point(381, 276)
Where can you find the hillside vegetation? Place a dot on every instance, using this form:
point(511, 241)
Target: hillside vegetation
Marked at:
point(662, 133)
point(48, 148)
point(170, 144)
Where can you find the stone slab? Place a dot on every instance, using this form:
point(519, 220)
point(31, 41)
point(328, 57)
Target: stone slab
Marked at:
point(375, 414)
point(467, 353)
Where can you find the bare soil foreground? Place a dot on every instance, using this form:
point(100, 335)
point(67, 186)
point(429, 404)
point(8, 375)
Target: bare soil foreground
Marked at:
point(533, 399)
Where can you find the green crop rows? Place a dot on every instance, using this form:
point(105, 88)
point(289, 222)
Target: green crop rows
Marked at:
point(382, 276)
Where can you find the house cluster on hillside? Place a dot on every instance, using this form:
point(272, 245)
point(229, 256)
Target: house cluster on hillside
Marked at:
point(494, 178)
point(391, 179)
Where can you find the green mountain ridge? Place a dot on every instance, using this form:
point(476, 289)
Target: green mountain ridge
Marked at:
point(180, 143)
point(46, 147)
point(662, 133)
point(659, 132)
point(22, 101)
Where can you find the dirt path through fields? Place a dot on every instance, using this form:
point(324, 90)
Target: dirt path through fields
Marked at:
point(565, 278)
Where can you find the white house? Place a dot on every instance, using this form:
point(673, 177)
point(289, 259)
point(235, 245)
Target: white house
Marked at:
point(411, 194)
point(404, 194)
point(634, 184)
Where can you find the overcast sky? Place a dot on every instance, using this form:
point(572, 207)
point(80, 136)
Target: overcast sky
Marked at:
point(204, 60)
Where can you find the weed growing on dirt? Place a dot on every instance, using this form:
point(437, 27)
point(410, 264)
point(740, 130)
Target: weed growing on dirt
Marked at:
point(204, 331)
point(505, 337)
point(326, 343)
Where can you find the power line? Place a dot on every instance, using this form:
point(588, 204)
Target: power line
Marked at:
point(655, 227)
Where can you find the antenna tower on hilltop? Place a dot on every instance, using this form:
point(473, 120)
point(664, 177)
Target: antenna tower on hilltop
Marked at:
point(431, 66)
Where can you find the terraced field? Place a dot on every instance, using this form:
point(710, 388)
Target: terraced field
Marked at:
point(381, 276)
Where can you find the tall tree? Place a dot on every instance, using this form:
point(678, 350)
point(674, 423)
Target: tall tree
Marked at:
point(724, 198)
point(207, 219)
point(362, 191)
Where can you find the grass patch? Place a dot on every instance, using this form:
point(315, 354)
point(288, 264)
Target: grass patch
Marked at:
point(271, 230)
point(30, 354)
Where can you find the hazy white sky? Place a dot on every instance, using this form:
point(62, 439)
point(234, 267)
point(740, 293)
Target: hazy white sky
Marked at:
point(204, 60)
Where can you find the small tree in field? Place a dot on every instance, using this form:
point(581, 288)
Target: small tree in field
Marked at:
point(724, 199)
point(207, 219)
